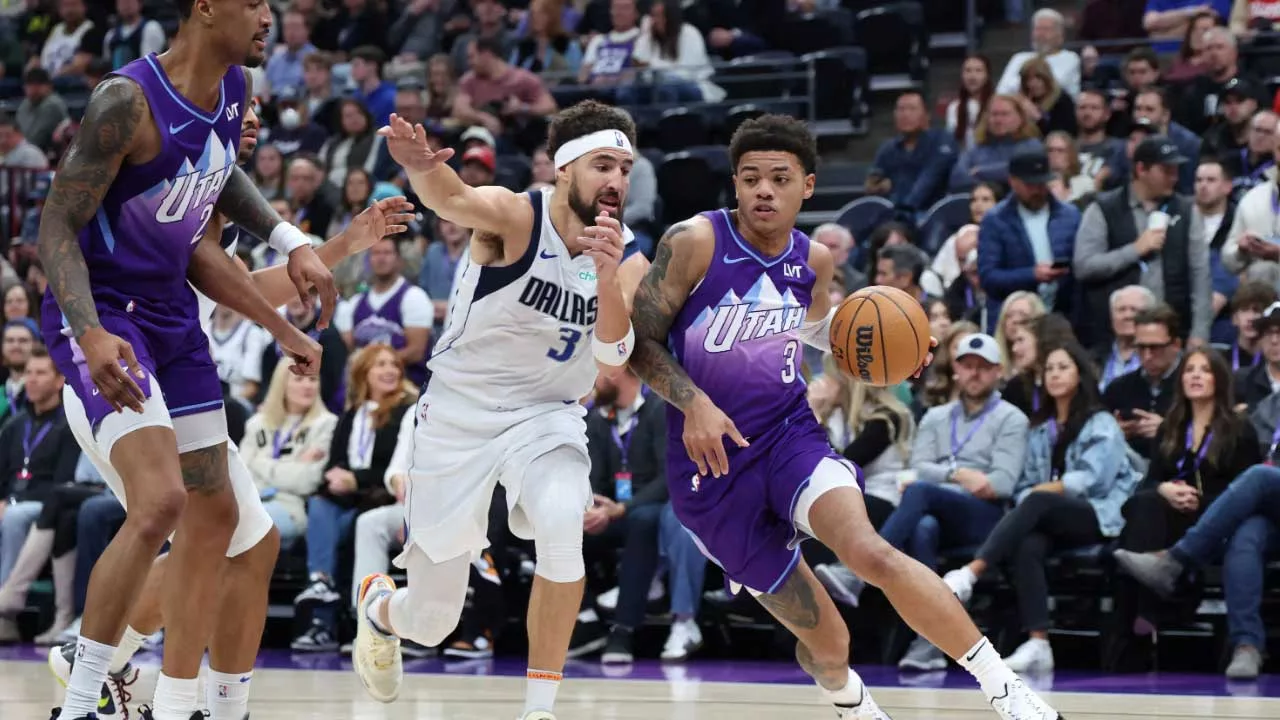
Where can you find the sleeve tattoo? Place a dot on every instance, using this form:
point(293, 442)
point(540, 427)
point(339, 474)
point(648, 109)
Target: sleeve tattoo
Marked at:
point(243, 204)
point(654, 310)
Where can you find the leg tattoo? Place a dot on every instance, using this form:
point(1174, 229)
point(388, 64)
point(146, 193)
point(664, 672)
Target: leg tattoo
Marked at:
point(794, 603)
point(204, 471)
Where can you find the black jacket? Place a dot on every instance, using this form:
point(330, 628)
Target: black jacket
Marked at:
point(646, 454)
point(1132, 391)
point(53, 460)
point(371, 491)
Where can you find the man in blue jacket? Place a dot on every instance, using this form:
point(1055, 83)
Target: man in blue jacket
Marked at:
point(911, 169)
point(1027, 240)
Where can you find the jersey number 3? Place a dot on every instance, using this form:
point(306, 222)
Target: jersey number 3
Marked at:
point(570, 337)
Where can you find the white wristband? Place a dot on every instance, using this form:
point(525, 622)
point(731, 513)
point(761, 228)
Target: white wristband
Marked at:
point(614, 354)
point(286, 237)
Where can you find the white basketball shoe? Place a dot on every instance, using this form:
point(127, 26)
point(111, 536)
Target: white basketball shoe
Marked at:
point(376, 655)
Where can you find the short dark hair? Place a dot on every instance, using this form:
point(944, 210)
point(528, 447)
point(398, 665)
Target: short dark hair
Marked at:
point(491, 45)
point(38, 350)
point(905, 258)
point(585, 118)
point(1253, 295)
point(37, 76)
point(912, 92)
point(778, 133)
point(1158, 92)
point(1210, 160)
point(1143, 54)
point(1095, 90)
point(370, 53)
point(1161, 314)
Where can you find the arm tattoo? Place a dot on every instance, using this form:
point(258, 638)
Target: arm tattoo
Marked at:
point(106, 135)
point(204, 471)
point(794, 603)
point(653, 312)
point(243, 204)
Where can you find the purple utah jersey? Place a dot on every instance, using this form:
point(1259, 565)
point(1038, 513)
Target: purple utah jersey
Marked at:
point(737, 339)
point(139, 245)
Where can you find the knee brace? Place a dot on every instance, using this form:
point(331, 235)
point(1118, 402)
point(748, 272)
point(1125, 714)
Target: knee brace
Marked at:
point(556, 494)
point(428, 610)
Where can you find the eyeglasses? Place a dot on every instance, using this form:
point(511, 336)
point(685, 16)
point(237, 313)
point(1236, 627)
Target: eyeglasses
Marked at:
point(1152, 347)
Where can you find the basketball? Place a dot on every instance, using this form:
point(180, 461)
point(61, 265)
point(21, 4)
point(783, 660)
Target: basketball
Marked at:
point(880, 335)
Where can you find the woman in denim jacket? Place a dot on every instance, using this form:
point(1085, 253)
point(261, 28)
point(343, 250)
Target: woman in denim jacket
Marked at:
point(1076, 477)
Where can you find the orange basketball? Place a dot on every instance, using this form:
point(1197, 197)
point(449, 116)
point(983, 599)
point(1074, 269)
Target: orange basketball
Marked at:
point(880, 335)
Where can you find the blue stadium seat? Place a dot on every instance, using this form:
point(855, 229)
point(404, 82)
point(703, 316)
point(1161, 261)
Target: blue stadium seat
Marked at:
point(896, 41)
point(863, 215)
point(680, 128)
point(945, 217)
point(687, 185)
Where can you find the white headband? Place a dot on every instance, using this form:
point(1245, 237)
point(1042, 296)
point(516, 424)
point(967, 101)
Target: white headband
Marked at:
point(600, 140)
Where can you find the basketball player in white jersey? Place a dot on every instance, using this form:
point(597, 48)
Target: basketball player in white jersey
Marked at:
point(543, 299)
point(255, 543)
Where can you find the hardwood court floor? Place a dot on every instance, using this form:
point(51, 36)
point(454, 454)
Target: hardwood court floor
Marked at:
point(27, 692)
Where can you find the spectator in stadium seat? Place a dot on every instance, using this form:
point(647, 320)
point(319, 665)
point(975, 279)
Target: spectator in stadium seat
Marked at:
point(1151, 106)
point(1254, 163)
point(357, 146)
point(1140, 71)
point(546, 47)
point(911, 169)
point(324, 23)
point(1254, 384)
point(363, 23)
point(1026, 238)
point(1001, 133)
point(1167, 20)
point(839, 241)
point(1120, 357)
point(489, 22)
point(496, 95)
point(321, 102)
point(286, 448)
point(627, 441)
point(1204, 445)
point(1247, 305)
point(378, 96)
point(363, 443)
point(734, 28)
point(305, 185)
point(1202, 102)
point(1252, 238)
point(677, 54)
point(976, 90)
point(284, 68)
point(1044, 101)
point(1140, 399)
point(608, 59)
point(1075, 478)
point(333, 355)
point(1242, 528)
point(392, 310)
point(902, 267)
point(59, 50)
point(1097, 151)
point(42, 110)
point(966, 459)
point(1143, 233)
point(1231, 132)
point(1069, 183)
point(18, 340)
point(15, 150)
point(954, 251)
point(439, 265)
point(478, 166)
point(268, 171)
point(1048, 36)
point(1190, 61)
point(1029, 345)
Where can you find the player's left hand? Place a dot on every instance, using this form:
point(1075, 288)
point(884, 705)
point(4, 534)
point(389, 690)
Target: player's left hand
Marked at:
point(304, 351)
point(390, 216)
point(604, 245)
point(308, 273)
point(928, 358)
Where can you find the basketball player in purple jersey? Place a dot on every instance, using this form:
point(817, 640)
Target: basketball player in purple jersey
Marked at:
point(255, 544)
point(719, 319)
point(124, 229)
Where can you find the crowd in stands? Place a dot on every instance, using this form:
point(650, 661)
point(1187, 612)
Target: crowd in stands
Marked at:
point(1105, 302)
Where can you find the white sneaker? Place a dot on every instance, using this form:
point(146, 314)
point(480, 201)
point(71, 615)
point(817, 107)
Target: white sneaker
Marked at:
point(865, 710)
point(376, 657)
point(1018, 702)
point(961, 582)
point(537, 715)
point(685, 639)
point(1032, 656)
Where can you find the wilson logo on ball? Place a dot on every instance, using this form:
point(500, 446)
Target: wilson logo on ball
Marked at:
point(864, 336)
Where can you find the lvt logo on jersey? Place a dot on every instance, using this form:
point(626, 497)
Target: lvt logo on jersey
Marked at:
point(564, 305)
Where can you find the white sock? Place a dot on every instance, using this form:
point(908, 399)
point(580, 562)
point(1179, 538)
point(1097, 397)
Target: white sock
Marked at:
point(850, 695)
point(129, 644)
point(227, 695)
point(176, 698)
point(987, 667)
point(540, 690)
point(375, 608)
point(87, 675)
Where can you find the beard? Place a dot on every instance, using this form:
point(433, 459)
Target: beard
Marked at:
point(587, 211)
point(606, 396)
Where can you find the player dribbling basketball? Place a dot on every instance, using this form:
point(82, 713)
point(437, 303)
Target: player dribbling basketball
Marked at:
point(731, 293)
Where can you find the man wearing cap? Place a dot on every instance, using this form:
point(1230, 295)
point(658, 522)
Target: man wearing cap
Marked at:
point(1255, 384)
point(966, 458)
point(1231, 133)
point(1142, 233)
point(479, 165)
point(1025, 242)
point(42, 110)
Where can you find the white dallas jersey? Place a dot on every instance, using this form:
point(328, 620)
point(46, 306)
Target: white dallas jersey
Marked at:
point(520, 335)
point(230, 239)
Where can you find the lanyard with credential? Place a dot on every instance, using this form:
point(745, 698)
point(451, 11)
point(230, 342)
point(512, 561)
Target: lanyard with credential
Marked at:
point(29, 446)
point(957, 444)
point(1235, 356)
point(622, 478)
point(1204, 449)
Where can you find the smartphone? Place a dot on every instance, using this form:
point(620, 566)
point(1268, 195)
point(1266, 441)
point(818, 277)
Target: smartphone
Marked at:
point(1128, 414)
point(1061, 264)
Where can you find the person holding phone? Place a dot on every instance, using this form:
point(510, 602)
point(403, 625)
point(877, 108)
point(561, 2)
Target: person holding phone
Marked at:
point(1202, 446)
point(1140, 399)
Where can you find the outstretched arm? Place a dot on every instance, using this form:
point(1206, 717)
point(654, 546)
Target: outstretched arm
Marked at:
point(107, 135)
point(217, 275)
point(659, 298)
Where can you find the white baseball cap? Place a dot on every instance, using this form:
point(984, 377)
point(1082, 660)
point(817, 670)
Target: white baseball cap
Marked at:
point(980, 344)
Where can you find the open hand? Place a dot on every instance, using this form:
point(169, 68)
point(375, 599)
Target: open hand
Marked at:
point(390, 216)
point(107, 357)
point(408, 146)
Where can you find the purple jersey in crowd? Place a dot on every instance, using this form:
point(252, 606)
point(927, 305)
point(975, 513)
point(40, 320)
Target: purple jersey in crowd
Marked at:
point(139, 245)
point(737, 339)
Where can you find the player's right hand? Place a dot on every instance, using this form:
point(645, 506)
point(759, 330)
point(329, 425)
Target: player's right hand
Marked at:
point(304, 352)
point(705, 426)
point(408, 146)
point(102, 354)
point(389, 216)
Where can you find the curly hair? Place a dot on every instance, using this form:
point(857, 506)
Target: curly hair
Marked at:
point(585, 118)
point(775, 133)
